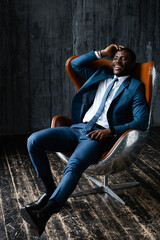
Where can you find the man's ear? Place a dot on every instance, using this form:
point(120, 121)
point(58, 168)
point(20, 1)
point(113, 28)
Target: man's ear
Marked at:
point(133, 66)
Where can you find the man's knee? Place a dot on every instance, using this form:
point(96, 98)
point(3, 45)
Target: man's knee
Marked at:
point(75, 166)
point(32, 142)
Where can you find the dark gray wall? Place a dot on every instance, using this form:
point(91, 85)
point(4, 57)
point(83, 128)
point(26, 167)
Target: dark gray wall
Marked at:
point(38, 36)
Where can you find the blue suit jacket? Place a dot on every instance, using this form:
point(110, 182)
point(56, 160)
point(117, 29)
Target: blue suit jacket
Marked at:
point(128, 109)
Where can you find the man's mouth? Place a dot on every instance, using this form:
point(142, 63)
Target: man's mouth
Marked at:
point(117, 67)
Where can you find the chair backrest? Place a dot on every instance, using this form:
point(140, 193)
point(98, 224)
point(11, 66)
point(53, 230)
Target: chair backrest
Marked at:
point(143, 72)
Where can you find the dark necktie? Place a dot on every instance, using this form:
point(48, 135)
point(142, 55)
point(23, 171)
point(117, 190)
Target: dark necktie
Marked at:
point(91, 123)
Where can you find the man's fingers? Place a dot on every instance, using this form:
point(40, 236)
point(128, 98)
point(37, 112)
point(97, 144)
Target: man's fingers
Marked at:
point(94, 134)
point(97, 135)
point(89, 134)
point(116, 46)
point(120, 47)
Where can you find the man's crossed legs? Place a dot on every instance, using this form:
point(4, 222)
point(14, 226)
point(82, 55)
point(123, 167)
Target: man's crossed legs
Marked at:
point(60, 139)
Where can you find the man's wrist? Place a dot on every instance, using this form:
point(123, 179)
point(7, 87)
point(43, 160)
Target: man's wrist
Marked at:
point(103, 53)
point(112, 130)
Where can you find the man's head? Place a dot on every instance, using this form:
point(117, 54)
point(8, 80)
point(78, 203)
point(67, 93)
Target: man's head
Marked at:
point(124, 62)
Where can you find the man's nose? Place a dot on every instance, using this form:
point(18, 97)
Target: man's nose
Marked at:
point(118, 60)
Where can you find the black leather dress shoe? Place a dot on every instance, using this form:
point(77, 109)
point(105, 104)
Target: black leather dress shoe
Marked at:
point(37, 205)
point(26, 213)
point(37, 226)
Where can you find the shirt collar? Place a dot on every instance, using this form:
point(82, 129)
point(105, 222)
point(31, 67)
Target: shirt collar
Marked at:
point(122, 78)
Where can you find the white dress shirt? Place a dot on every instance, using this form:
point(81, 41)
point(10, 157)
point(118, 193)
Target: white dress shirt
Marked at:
point(102, 120)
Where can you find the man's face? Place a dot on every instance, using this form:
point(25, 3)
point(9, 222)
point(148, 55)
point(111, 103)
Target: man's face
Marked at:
point(122, 63)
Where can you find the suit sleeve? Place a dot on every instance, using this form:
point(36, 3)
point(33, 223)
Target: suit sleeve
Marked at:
point(81, 64)
point(140, 114)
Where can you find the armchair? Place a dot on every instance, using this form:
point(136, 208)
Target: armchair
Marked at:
point(127, 147)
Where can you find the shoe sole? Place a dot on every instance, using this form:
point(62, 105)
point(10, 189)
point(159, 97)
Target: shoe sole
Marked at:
point(25, 215)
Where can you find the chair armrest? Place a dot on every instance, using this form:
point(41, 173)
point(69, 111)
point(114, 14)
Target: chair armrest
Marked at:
point(60, 120)
point(106, 154)
point(123, 153)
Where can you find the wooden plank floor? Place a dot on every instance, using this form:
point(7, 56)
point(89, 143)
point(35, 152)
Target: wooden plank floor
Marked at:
point(91, 217)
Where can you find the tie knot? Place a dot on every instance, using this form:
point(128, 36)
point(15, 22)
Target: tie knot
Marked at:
point(115, 79)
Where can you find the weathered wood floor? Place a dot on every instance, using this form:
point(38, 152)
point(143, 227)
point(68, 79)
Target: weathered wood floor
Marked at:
point(84, 218)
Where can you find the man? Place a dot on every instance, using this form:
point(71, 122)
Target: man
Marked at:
point(107, 105)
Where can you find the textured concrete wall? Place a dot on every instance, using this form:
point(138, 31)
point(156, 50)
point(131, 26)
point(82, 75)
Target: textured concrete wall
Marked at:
point(38, 36)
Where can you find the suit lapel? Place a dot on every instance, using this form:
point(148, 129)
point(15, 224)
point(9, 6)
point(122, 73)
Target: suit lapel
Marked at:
point(122, 87)
point(98, 76)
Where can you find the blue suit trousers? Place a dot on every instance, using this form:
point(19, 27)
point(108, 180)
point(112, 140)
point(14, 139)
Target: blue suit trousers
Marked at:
point(65, 139)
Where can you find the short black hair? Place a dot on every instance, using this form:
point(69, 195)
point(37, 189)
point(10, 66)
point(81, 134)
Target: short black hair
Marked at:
point(131, 53)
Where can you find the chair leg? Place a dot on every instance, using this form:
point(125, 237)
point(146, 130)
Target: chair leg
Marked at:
point(123, 185)
point(105, 188)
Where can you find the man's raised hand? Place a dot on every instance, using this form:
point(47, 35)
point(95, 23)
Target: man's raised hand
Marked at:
point(111, 50)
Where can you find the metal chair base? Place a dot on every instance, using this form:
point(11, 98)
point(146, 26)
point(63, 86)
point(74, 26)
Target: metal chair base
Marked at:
point(105, 188)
